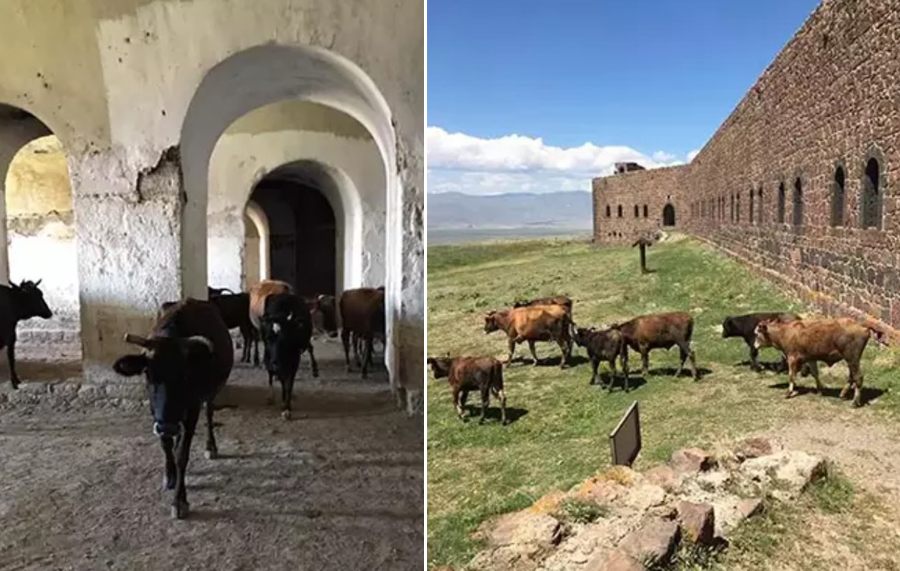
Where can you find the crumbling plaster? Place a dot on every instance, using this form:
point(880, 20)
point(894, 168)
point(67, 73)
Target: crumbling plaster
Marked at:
point(124, 101)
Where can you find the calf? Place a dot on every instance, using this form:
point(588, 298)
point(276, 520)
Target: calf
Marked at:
point(827, 340)
point(362, 318)
point(186, 361)
point(17, 303)
point(660, 331)
point(744, 326)
point(604, 345)
point(465, 374)
point(531, 324)
point(554, 300)
point(286, 333)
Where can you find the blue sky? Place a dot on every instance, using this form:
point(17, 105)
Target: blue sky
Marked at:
point(540, 95)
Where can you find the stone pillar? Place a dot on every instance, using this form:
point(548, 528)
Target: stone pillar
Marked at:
point(225, 250)
point(128, 227)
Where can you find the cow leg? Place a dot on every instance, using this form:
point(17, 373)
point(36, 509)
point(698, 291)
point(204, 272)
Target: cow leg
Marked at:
point(485, 399)
point(247, 336)
point(686, 350)
point(170, 476)
point(512, 351)
point(814, 371)
point(624, 358)
point(11, 357)
point(612, 378)
point(595, 364)
point(368, 356)
point(533, 353)
point(645, 360)
point(793, 366)
point(180, 507)
point(256, 350)
point(271, 389)
point(458, 404)
point(463, 397)
point(357, 345)
point(754, 357)
point(857, 379)
point(312, 362)
point(345, 341)
point(287, 395)
point(212, 451)
point(502, 396)
point(564, 349)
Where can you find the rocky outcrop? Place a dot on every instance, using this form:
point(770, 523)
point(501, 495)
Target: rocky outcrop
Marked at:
point(639, 520)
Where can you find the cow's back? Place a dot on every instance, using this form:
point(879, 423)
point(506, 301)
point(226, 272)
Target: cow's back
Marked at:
point(258, 294)
point(195, 317)
point(659, 329)
point(360, 308)
point(540, 320)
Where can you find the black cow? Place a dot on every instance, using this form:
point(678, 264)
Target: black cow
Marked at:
point(235, 310)
point(605, 345)
point(744, 326)
point(213, 292)
point(17, 303)
point(186, 361)
point(286, 329)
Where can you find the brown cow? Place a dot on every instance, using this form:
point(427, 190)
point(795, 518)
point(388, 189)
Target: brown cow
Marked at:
point(258, 295)
point(533, 323)
point(554, 300)
point(484, 374)
point(660, 331)
point(362, 317)
point(813, 340)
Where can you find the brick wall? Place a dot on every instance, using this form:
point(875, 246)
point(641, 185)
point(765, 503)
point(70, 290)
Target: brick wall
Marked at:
point(642, 197)
point(831, 99)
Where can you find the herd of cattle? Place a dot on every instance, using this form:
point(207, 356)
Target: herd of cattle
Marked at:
point(189, 355)
point(802, 342)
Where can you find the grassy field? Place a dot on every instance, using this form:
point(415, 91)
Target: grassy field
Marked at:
point(559, 433)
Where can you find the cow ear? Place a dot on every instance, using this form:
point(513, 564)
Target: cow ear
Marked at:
point(131, 365)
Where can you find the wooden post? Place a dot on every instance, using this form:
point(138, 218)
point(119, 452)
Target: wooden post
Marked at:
point(643, 258)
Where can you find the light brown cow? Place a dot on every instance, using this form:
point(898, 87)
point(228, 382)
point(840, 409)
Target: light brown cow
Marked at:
point(533, 323)
point(258, 294)
point(813, 340)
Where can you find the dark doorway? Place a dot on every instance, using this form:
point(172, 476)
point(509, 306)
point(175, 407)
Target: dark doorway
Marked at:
point(303, 235)
point(668, 215)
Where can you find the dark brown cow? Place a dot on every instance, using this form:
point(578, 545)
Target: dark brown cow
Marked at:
point(323, 311)
point(554, 300)
point(533, 323)
point(484, 374)
point(744, 326)
point(187, 360)
point(606, 345)
point(17, 303)
point(812, 340)
point(660, 331)
point(362, 317)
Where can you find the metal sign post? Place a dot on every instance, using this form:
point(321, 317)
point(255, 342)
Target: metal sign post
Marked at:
point(625, 439)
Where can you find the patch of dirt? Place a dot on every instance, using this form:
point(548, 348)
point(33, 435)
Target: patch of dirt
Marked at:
point(339, 487)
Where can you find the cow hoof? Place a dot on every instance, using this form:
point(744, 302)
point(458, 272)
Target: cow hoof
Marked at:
point(180, 510)
point(286, 415)
point(790, 394)
point(211, 454)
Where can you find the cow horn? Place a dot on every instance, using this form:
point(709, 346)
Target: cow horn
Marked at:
point(138, 340)
point(198, 340)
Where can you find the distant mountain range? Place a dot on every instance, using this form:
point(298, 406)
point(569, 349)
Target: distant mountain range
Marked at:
point(564, 210)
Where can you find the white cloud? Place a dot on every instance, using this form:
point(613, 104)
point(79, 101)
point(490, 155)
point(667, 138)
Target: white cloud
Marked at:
point(692, 154)
point(516, 163)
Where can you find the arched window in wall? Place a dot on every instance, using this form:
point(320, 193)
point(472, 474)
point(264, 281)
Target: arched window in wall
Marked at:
point(636, 211)
point(620, 211)
point(646, 211)
point(870, 203)
point(759, 200)
point(780, 218)
point(838, 188)
point(737, 208)
point(608, 211)
point(750, 210)
point(731, 211)
point(798, 203)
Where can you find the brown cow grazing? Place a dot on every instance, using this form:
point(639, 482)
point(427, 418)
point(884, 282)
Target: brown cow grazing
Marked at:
point(660, 331)
point(465, 374)
point(605, 345)
point(362, 318)
point(186, 361)
point(554, 300)
point(744, 326)
point(533, 323)
point(813, 340)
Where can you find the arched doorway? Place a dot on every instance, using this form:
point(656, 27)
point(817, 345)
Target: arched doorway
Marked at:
point(302, 233)
point(668, 215)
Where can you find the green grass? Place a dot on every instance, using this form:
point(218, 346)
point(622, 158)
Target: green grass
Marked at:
point(559, 433)
point(576, 510)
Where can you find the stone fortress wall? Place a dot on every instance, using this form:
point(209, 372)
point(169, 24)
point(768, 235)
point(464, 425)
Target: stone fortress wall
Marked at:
point(800, 181)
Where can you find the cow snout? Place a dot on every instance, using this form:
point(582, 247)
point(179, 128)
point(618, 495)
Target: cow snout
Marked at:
point(167, 429)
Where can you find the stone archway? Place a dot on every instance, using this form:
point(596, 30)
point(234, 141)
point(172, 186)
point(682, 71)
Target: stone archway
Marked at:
point(668, 215)
point(257, 77)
